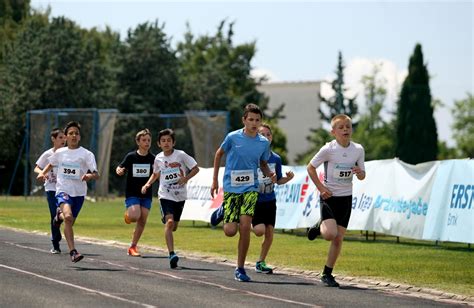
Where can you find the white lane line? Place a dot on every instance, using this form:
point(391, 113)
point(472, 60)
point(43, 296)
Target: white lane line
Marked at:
point(77, 287)
point(279, 299)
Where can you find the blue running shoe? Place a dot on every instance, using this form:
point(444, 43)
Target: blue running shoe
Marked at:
point(174, 260)
point(217, 216)
point(241, 275)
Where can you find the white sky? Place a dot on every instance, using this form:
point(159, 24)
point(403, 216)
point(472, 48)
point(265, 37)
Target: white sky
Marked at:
point(299, 40)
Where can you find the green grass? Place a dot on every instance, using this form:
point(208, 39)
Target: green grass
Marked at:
point(447, 266)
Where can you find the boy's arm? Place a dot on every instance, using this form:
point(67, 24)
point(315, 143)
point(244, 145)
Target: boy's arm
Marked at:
point(217, 161)
point(37, 169)
point(360, 174)
point(184, 179)
point(325, 193)
point(43, 175)
point(150, 181)
point(94, 175)
point(286, 179)
point(267, 171)
point(120, 170)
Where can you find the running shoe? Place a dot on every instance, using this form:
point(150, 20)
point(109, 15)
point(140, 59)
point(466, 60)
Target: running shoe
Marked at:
point(57, 221)
point(55, 251)
point(133, 251)
point(75, 256)
point(241, 275)
point(261, 267)
point(329, 281)
point(126, 218)
point(314, 231)
point(217, 216)
point(174, 260)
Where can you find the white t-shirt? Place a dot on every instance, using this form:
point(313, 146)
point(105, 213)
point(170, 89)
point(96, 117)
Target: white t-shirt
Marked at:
point(171, 168)
point(338, 162)
point(72, 164)
point(42, 162)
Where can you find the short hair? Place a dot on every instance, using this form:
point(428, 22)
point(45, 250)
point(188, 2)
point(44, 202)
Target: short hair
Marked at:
point(141, 133)
point(266, 125)
point(55, 132)
point(253, 109)
point(339, 117)
point(72, 124)
point(166, 132)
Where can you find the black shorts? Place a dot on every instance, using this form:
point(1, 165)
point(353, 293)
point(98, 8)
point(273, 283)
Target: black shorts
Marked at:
point(172, 207)
point(265, 213)
point(338, 208)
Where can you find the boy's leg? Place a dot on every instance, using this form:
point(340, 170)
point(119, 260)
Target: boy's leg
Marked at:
point(335, 247)
point(140, 226)
point(68, 222)
point(244, 239)
point(133, 211)
point(55, 230)
point(329, 229)
point(267, 242)
point(231, 206)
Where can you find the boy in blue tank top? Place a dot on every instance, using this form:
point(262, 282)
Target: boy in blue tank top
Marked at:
point(245, 151)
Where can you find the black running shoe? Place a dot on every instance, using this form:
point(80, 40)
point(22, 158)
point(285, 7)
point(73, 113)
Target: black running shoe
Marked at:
point(75, 256)
point(57, 221)
point(314, 231)
point(173, 260)
point(329, 281)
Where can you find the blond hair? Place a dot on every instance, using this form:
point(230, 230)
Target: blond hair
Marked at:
point(141, 133)
point(339, 117)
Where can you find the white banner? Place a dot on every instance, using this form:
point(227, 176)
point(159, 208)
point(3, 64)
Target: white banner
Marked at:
point(395, 198)
point(451, 215)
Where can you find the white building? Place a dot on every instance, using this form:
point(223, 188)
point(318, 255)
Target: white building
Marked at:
point(301, 113)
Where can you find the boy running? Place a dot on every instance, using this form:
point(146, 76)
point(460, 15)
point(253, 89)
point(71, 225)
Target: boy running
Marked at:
point(341, 158)
point(246, 150)
point(76, 166)
point(171, 167)
point(265, 211)
point(58, 139)
point(138, 166)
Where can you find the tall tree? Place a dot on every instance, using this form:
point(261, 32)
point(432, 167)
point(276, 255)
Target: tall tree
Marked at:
point(12, 14)
point(372, 132)
point(463, 126)
point(416, 134)
point(215, 73)
point(339, 102)
point(149, 77)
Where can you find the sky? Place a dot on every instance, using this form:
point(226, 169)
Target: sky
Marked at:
point(300, 40)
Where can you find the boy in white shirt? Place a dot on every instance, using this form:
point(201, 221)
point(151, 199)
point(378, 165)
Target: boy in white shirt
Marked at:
point(171, 167)
point(58, 139)
point(76, 166)
point(342, 158)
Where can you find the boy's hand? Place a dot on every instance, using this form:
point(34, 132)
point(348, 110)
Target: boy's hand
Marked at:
point(356, 170)
point(42, 177)
point(325, 193)
point(86, 177)
point(214, 188)
point(182, 180)
point(120, 170)
point(290, 175)
point(145, 187)
point(273, 177)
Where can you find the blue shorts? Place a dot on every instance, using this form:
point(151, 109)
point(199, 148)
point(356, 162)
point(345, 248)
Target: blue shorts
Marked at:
point(143, 202)
point(74, 202)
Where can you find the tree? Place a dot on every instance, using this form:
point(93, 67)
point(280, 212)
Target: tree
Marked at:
point(328, 108)
point(338, 103)
point(215, 74)
point(12, 14)
point(416, 135)
point(149, 77)
point(463, 126)
point(372, 132)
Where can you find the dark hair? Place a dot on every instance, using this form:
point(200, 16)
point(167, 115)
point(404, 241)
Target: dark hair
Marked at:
point(166, 132)
point(253, 109)
point(72, 124)
point(55, 132)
